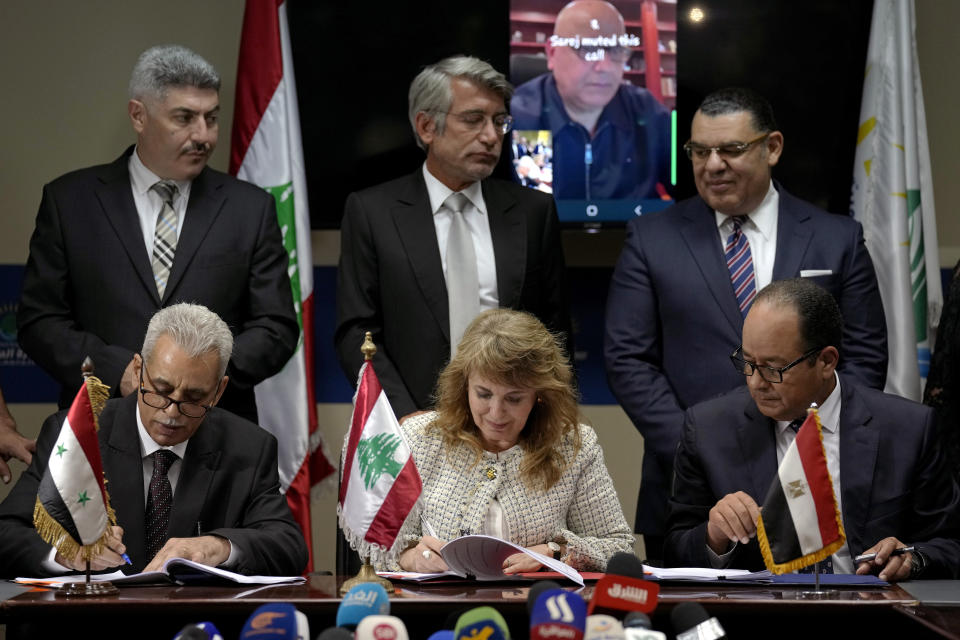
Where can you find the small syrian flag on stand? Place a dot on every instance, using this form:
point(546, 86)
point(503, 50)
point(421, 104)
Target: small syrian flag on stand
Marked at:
point(380, 483)
point(800, 523)
point(73, 509)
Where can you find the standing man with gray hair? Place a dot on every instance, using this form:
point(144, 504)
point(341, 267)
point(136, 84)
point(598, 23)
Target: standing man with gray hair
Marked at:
point(423, 254)
point(186, 479)
point(115, 243)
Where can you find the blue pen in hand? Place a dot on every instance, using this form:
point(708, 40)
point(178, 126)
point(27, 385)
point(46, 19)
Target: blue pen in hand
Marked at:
point(126, 558)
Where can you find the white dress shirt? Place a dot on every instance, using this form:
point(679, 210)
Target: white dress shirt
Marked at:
point(475, 215)
point(760, 227)
point(149, 203)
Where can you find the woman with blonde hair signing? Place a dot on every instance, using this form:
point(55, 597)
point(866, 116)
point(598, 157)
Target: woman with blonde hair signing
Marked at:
point(504, 454)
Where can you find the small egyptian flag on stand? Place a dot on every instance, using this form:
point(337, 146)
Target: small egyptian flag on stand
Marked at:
point(800, 523)
point(380, 483)
point(73, 510)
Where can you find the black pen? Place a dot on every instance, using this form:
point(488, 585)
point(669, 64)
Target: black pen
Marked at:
point(867, 557)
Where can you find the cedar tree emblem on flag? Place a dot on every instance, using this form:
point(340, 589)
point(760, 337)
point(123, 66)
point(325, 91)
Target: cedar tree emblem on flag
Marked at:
point(800, 523)
point(380, 483)
point(73, 509)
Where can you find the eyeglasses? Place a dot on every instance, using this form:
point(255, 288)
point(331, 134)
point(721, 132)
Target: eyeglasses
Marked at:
point(596, 54)
point(476, 120)
point(770, 374)
point(159, 401)
point(726, 151)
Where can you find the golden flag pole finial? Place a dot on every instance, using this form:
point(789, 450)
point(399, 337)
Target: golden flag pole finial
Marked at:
point(368, 348)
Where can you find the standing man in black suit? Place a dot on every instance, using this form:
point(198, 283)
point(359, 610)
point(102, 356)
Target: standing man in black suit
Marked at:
point(115, 243)
point(885, 460)
point(673, 314)
point(218, 472)
point(423, 254)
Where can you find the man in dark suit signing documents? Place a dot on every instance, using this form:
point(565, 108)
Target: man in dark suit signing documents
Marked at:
point(422, 255)
point(687, 275)
point(116, 242)
point(885, 461)
point(185, 478)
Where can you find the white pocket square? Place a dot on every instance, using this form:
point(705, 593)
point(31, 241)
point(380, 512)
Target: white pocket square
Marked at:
point(813, 273)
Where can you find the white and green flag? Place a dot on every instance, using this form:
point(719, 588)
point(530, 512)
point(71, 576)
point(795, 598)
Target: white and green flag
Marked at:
point(893, 195)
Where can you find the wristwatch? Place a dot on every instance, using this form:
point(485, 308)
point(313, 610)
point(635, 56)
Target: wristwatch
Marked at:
point(917, 564)
point(555, 548)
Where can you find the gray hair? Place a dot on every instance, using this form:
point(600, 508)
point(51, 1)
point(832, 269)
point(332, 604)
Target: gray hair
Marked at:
point(430, 91)
point(194, 328)
point(162, 67)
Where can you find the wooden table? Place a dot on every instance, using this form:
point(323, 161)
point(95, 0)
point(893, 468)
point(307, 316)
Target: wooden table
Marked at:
point(744, 611)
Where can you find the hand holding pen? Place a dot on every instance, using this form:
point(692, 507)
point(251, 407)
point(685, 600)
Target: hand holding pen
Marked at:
point(890, 557)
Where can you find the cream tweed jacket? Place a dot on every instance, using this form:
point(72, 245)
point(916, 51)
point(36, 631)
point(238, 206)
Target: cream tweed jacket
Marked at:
point(581, 509)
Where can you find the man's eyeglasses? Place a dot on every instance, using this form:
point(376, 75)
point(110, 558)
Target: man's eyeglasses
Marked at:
point(596, 54)
point(159, 401)
point(476, 120)
point(726, 151)
point(770, 374)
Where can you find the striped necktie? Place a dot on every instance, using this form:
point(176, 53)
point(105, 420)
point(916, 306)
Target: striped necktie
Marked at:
point(165, 237)
point(463, 280)
point(740, 264)
point(159, 501)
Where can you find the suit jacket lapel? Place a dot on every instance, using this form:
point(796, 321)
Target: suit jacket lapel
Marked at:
point(413, 221)
point(206, 202)
point(793, 237)
point(508, 233)
point(700, 233)
point(116, 198)
point(200, 463)
point(858, 458)
point(757, 439)
point(123, 470)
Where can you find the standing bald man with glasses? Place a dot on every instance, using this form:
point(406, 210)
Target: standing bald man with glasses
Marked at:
point(688, 275)
point(423, 254)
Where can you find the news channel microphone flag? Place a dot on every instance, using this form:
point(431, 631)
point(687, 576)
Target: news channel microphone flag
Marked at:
point(893, 195)
point(800, 522)
point(73, 511)
point(266, 150)
point(380, 483)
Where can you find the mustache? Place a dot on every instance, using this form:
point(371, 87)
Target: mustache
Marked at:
point(197, 147)
point(169, 422)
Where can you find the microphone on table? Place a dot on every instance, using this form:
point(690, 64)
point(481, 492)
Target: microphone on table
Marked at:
point(443, 634)
point(637, 626)
point(199, 631)
point(335, 633)
point(481, 622)
point(276, 621)
point(692, 622)
point(558, 614)
point(623, 588)
point(600, 626)
point(533, 593)
point(363, 600)
point(380, 627)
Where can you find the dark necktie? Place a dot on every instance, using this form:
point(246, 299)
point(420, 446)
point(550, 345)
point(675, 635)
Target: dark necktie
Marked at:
point(159, 501)
point(165, 236)
point(740, 264)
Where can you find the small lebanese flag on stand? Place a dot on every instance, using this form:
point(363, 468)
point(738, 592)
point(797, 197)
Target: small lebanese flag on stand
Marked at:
point(800, 522)
point(73, 511)
point(380, 483)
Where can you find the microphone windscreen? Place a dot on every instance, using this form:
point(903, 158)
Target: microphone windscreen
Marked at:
point(619, 593)
point(691, 621)
point(335, 633)
point(443, 634)
point(378, 627)
point(558, 614)
point(199, 631)
point(603, 627)
point(538, 587)
point(625, 564)
point(637, 619)
point(277, 621)
point(367, 599)
point(481, 622)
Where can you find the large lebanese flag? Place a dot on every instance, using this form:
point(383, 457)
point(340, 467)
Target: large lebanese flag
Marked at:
point(266, 150)
point(800, 523)
point(380, 483)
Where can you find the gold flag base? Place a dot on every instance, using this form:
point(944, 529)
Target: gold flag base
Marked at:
point(88, 589)
point(365, 575)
